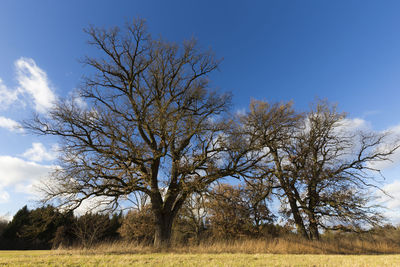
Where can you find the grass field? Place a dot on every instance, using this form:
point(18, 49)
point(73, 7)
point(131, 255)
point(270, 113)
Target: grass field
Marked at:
point(68, 258)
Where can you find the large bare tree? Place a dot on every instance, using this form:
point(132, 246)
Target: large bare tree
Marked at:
point(325, 172)
point(151, 124)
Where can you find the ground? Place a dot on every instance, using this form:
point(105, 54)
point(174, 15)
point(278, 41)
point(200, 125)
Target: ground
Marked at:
point(66, 258)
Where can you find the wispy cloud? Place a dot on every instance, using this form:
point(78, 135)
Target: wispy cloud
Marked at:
point(76, 99)
point(10, 124)
point(33, 86)
point(39, 153)
point(391, 201)
point(33, 81)
point(355, 124)
point(7, 96)
point(394, 159)
point(93, 204)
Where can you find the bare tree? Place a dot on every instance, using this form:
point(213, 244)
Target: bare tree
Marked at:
point(90, 228)
point(275, 126)
point(193, 216)
point(152, 125)
point(257, 193)
point(324, 171)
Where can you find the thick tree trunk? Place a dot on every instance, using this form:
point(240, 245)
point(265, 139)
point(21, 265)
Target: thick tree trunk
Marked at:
point(163, 219)
point(163, 230)
point(164, 216)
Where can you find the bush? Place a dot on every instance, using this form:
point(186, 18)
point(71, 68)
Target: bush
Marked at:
point(138, 226)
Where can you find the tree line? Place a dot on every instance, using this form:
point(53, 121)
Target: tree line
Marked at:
point(228, 213)
point(218, 216)
point(153, 125)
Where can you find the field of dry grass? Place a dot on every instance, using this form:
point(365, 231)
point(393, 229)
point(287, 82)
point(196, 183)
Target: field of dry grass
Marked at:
point(271, 246)
point(69, 258)
point(274, 252)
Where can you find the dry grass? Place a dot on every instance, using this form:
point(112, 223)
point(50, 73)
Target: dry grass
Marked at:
point(274, 252)
point(66, 258)
point(272, 246)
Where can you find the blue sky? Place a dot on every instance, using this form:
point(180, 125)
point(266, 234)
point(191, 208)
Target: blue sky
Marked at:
point(345, 51)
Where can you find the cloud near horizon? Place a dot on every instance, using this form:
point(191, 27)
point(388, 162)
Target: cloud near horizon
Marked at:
point(18, 174)
point(391, 201)
point(14, 170)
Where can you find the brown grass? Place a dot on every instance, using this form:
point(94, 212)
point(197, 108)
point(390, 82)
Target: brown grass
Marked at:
point(272, 246)
point(69, 258)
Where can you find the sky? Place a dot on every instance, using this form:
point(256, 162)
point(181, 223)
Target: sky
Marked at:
point(347, 52)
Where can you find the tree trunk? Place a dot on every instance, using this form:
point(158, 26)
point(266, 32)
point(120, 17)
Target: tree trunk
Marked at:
point(297, 218)
point(314, 199)
point(163, 219)
point(314, 234)
point(285, 185)
point(163, 230)
point(164, 214)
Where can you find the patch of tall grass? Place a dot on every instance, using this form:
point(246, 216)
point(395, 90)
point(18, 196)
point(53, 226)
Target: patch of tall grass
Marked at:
point(282, 245)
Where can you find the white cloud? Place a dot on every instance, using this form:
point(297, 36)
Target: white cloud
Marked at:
point(6, 217)
point(395, 158)
point(7, 97)
point(344, 127)
point(10, 124)
point(355, 124)
point(349, 125)
point(18, 173)
point(38, 153)
point(392, 138)
point(391, 202)
point(31, 188)
point(77, 100)
point(4, 196)
point(93, 204)
point(33, 80)
point(393, 189)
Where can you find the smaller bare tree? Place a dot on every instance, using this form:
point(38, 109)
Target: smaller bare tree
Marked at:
point(90, 228)
point(192, 218)
point(323, 171)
